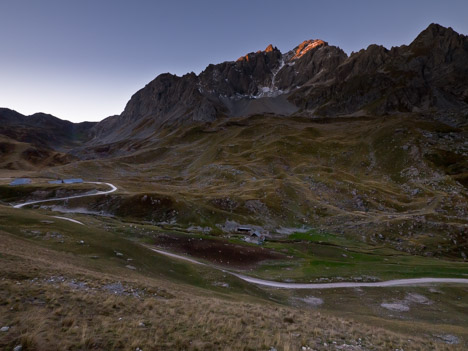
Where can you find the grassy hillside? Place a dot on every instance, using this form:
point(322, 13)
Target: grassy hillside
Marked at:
point(22, 156)
point(98, 288)
point(398, 181)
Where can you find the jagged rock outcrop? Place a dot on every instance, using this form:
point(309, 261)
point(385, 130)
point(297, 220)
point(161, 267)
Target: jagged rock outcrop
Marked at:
point(244, 77)
point(311, 62)
point(314, 79)
point(430, 74)
point(165, 100)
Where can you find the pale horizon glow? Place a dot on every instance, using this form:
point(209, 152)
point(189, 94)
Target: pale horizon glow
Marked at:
point(82, 61)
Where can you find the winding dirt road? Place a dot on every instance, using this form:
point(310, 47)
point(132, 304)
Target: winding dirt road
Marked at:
point(384, 284)
point(112, 189)
point(273, 284)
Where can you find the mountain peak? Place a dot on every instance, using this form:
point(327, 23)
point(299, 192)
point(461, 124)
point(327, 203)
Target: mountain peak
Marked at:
point(269, 48)
point(243, 58)
point(436, 28)
point(438, 38)
point(433, 31)
point(305, 47)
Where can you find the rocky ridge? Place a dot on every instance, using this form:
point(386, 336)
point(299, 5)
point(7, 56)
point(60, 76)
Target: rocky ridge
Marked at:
point(43, 130)
point(314, 79)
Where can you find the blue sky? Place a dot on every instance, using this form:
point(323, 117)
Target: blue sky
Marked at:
point(82, 60)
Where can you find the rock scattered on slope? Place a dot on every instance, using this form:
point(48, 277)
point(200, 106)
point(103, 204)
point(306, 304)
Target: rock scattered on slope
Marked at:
point(397, 307)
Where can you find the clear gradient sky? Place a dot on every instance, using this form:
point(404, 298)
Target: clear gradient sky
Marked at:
point(82, 60)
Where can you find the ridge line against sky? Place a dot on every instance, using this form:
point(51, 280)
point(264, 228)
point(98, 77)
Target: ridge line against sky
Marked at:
point(82, 60)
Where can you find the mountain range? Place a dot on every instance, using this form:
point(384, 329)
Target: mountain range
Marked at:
point(313, 80)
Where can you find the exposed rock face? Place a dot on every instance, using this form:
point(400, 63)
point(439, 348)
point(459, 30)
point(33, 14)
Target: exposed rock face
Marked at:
point(313, 79)
point(429, 74)
point(163, 101)
point(244, 77)
point(309, 63)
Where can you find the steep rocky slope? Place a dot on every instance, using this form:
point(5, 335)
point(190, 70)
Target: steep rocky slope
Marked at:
point(428, 75)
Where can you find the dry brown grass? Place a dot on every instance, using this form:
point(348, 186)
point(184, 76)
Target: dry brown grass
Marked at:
point(54, 315)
